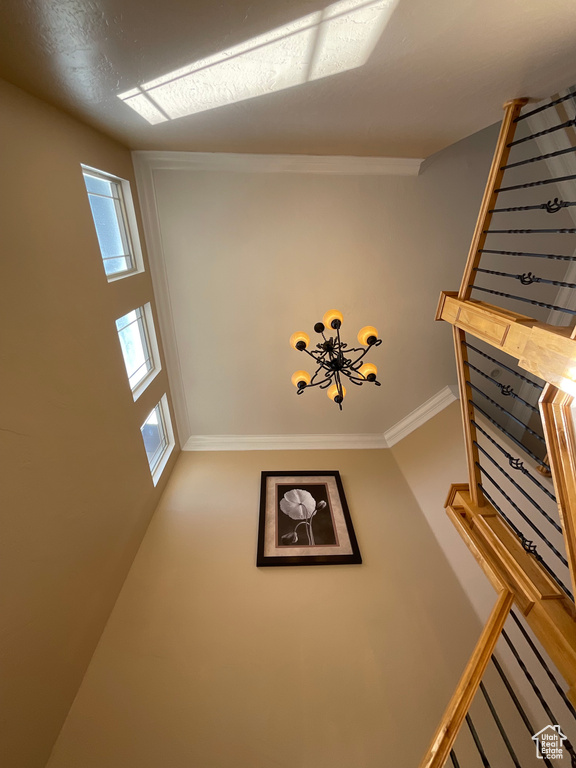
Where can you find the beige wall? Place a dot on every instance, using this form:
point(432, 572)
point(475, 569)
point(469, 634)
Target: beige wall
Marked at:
point(209, 661)
point(431, 459)
point(76, 490)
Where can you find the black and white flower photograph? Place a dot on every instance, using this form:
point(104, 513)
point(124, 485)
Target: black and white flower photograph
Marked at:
point(304, 516)
point(304, 520)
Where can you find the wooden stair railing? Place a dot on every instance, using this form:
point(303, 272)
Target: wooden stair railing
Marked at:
point(445, 736)
point(511, 112)
point(520, 576)
point(518, 580)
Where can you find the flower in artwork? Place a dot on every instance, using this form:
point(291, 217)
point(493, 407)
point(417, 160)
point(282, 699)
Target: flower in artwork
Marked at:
point(298, 504)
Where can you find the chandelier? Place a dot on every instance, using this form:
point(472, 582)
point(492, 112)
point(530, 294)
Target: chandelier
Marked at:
point(330, 356)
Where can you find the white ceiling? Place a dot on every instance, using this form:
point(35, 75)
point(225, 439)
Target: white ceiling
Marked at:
point(439, 70)
point(247, 251)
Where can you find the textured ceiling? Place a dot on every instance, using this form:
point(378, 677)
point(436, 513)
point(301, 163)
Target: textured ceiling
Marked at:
point(249, 257)
point(439, 70)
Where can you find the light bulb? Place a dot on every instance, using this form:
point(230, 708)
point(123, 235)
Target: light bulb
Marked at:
point(332, 392)
point(367, 335)
point(299, 338)
point(368, 370)
point(300, 377)
point(331, 316)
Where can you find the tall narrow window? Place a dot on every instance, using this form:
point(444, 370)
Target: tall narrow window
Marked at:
point(158, 438)
point(139, 348)
point(115, 222)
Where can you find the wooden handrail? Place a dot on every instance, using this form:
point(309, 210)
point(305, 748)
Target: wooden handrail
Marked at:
point(456, 711)
point(547, 351)
point(518, 579)
point(507, 130)
point(470, 436)
point(547, 609)
point(560, 434)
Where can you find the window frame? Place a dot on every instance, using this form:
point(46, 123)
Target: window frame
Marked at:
point(151, 343)
point(126, 216)
point(166, 422)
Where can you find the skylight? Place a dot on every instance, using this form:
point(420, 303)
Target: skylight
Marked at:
point(321, 44)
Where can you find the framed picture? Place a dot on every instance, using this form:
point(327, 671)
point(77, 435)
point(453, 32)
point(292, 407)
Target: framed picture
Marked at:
point(304, 520)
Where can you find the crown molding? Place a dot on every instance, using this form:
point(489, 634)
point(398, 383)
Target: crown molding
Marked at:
point(380, 440)
point(421, 415)
point(244, 163)
point(283, 442)
point(155, 255)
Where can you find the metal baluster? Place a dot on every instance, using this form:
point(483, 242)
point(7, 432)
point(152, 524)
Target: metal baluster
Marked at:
point(538, 158)
point(501, 365)
point(541, 183)
point(477, 741)
point(552, 522)
point(544, 107)
point(527, 278)
point(511, 415)
point(563, 231)
point(519, 707)
point(554, 128)
point(538, 692)
point(499, 725)
point(528, 301)
point(524, 517)
point(544, 665)
point(552, 256)
point(511, 437)
point(552, 206)
point(514, 462)
point(454, 759)
point(527, 545)
point(505, 389)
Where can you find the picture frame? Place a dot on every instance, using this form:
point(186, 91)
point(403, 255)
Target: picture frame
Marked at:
point(305, 520)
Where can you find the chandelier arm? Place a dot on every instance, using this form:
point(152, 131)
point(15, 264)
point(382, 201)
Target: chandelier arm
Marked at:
point(318, 358)
point(340, 389)
point(364, 352)
point(361, 379)
point(322, 384)
point(355, 362)
point(327, 378)
point(365, 349)
point(354, 379)
point(316, 355)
